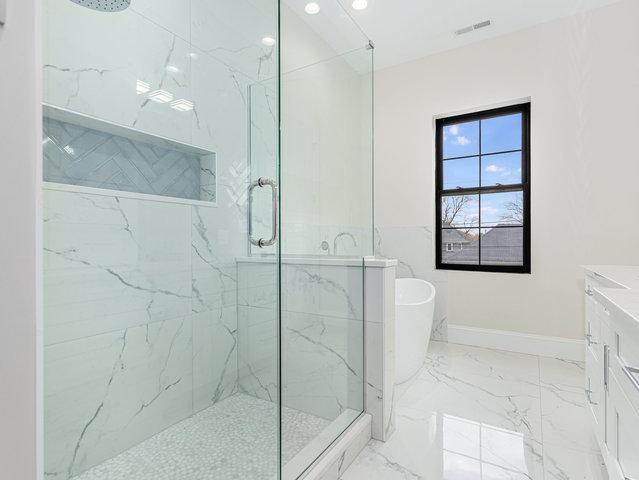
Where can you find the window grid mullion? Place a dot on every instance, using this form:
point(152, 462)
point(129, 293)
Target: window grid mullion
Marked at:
point(484, 154)
point(479, 197)
point(515, 187)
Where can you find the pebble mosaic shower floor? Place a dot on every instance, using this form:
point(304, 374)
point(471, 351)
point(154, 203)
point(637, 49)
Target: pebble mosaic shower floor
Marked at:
point(234, 439)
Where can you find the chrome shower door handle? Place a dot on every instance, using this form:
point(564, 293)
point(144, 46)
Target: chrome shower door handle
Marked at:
point(263, 182)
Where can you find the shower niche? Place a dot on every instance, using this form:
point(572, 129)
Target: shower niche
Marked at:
point(80, 151)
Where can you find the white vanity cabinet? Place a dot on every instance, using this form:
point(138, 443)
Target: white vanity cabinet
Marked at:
point(612, 366)
point(597, 330)
point(623, 395)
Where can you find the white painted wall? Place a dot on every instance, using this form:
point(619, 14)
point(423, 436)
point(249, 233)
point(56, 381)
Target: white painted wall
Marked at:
point(20, 119)
point(582, 74)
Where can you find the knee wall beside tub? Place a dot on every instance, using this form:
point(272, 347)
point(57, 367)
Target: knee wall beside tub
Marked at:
point(379, 314)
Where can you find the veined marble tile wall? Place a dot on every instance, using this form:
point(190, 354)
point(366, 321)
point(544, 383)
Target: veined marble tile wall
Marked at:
point(140, 323)
point(414, 251)
point(322, 335)
point(140, 296)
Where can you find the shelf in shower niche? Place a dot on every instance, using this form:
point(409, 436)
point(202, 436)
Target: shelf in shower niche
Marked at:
point(83, 151)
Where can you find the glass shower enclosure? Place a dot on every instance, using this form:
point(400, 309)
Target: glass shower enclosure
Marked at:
point(207, 210)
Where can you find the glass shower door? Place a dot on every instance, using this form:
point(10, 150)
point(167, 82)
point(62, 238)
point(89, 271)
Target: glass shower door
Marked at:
point(161, 337)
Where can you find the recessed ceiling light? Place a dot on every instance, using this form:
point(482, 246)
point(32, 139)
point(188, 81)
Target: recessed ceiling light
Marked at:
point(172, 69)
point(161, 96)
point(268, 41)
point(312, 8)
point(193, 55)
point(142, 87)
point(182, 105)
point(359, 4)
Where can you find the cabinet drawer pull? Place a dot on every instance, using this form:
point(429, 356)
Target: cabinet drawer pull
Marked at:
point(633, 375)
point(588, 337)
point(588, 393)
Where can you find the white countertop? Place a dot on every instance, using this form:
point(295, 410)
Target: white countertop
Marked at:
point(625, 298)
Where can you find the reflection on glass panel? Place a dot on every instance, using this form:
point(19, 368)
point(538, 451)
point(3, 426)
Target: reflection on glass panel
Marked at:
point(504, 208)
point(501, 169)
point(460, 246)
point(326, 209)
point(502, 246)
point(461, 173)
point(460, 211)
point(501, 134)
point(461, 140)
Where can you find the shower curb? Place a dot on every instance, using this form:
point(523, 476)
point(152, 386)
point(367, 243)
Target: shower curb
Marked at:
point(338, 457)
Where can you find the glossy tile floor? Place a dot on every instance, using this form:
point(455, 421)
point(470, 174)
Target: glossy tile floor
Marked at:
point(480, 414)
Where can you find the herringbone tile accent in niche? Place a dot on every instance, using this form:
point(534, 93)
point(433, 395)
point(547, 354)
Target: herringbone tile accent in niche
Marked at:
point(77, 155)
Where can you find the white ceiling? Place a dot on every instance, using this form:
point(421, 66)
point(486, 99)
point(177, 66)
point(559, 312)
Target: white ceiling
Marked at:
point(405, 30)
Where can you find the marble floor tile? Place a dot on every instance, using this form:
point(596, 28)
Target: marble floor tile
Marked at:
point(563, 404)
point(481, 414)
point(498, 388)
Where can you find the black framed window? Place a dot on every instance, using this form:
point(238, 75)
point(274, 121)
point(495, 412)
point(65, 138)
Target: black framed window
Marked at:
point(483, 190)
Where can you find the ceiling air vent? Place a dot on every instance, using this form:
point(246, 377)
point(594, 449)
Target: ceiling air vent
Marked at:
point(476, 26)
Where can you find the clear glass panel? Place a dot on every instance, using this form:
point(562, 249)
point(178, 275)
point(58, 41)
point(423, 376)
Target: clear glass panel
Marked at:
point(501, 134)
point(462, 173)
point(326, 179)
point(505, 208)
point(460, 246)
point(502, 246)
point(161, 336)
point(501, 169)
point(460, 211)
point(461, 140)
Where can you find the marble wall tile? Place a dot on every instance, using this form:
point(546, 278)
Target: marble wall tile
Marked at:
point(98, 77)
point(105, 268)
point(322, 335)
point(214, 273)
point(215, 342)
point(258, 352)
point(233, 31)
point(333, 291)
point(414, 251)
point(130, 347)
point(108, 392)
point(322, 363)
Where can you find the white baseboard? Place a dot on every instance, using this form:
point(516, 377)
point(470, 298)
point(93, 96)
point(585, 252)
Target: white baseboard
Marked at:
point(555, 347)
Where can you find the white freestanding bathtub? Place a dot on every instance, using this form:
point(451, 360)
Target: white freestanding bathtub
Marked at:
point(414, 308)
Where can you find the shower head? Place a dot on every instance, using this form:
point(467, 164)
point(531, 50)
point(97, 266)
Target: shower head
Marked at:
point(104, 5)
